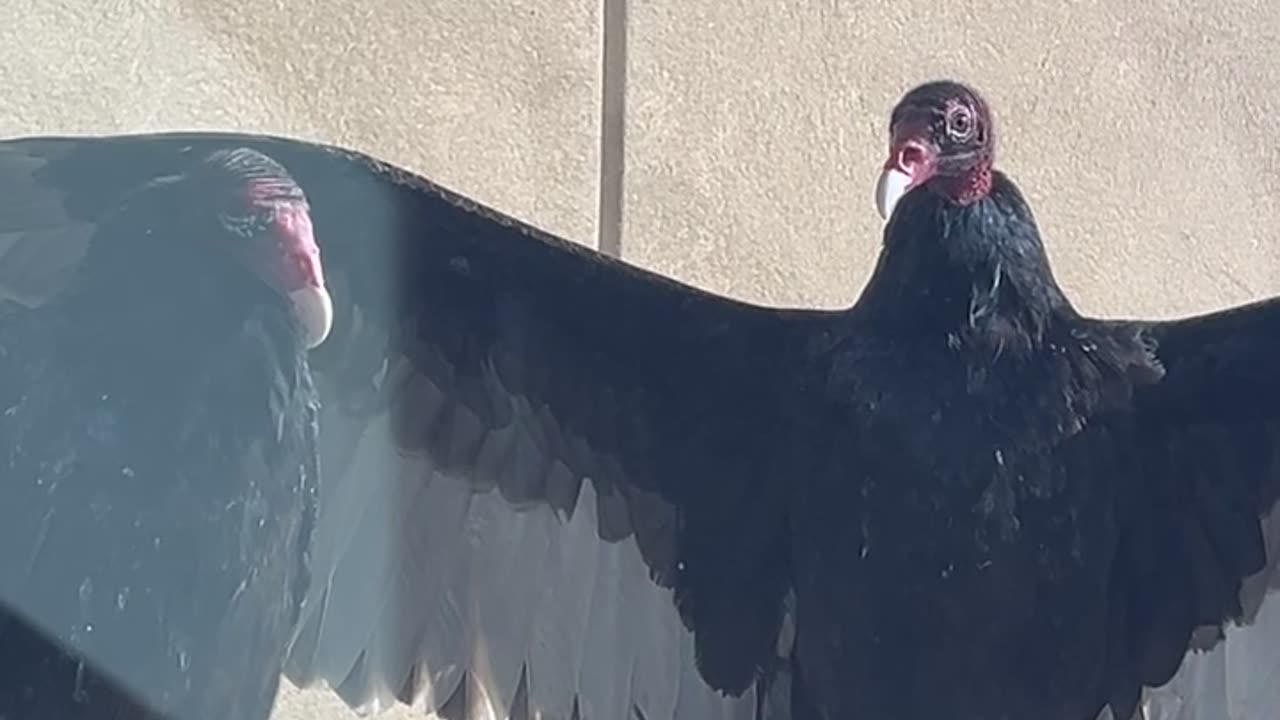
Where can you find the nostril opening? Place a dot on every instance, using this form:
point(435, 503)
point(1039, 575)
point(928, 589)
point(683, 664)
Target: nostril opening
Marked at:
point(911, 156)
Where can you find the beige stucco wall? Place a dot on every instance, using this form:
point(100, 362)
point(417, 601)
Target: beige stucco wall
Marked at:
point(1144, 132)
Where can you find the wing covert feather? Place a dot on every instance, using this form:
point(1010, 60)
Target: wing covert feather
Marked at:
point(1200, 472)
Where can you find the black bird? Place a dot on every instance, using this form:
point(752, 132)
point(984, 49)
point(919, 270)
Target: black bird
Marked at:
point(957, 498)
point(166, 430)
point(159, 425)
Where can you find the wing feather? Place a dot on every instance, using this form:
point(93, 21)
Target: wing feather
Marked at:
point(1200, 466)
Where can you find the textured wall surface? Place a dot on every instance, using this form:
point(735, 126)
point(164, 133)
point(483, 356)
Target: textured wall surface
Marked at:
point(1144, 133)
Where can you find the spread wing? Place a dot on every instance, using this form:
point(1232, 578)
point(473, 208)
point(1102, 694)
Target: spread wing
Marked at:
point(1200, 538)
point(552, 483)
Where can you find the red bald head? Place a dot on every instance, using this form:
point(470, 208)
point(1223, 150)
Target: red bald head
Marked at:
point(266, 216)
point(941, 132)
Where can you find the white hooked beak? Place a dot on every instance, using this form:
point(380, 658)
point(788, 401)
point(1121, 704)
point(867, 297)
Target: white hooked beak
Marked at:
point(314, 309)
point(890, 188)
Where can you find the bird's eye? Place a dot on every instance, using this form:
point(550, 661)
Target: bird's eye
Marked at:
point(960, 124)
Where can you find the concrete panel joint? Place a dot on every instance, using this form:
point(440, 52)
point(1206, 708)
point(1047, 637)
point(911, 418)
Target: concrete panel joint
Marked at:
point(613, 99)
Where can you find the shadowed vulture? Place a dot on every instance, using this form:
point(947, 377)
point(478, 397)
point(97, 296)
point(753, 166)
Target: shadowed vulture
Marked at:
point(273, 406)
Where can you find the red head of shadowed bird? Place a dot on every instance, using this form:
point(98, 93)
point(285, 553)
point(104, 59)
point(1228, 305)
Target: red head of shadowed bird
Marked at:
point(941, 137)
point(266, 209)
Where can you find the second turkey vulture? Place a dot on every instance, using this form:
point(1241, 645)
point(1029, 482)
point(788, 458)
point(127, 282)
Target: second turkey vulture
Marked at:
point(539, 468)
point(160, 421)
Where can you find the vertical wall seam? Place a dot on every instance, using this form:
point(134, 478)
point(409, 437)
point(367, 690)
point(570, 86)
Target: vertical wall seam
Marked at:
point(613, 121)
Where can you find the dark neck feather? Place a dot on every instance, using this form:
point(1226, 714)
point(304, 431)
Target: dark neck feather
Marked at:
point(152, 309)
point(974, 270)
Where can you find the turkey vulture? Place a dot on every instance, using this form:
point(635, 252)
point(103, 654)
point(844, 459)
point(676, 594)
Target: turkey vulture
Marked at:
point(956, 498)
point(166, 432)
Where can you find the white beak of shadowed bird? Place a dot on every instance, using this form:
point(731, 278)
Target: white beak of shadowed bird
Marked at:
point(314, 310)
